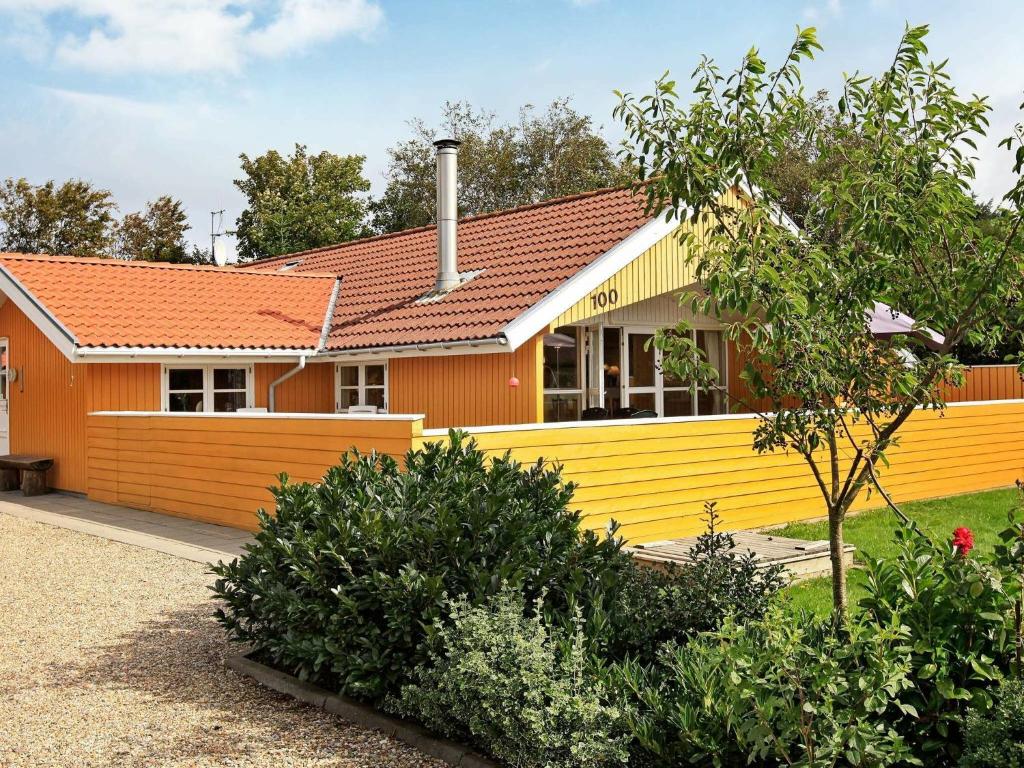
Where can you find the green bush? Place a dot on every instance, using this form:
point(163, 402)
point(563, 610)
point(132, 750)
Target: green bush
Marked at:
point(656, 607)
point(995, 739)
point(958, 615)
point(345, 584)
point(785, 690)
point(514, 686)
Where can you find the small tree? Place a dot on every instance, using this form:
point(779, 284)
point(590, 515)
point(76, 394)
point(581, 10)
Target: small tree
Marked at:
point(299, 202)
point(73, 218)
point(501, 165)
point(156, 234)
point(896, 224)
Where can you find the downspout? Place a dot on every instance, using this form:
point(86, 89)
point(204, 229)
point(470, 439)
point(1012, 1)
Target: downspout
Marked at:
point(325, 329)
point(283, 378)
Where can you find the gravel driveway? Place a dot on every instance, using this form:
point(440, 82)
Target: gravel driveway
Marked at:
point(108, 656)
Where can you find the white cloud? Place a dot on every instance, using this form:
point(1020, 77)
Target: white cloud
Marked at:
point(181, 36)
point(830, 9)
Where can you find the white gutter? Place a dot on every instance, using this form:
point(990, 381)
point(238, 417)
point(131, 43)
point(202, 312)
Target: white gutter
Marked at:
point(499, 341)
point(101, 354)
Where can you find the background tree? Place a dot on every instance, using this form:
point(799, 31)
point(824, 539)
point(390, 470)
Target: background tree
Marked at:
point(157, 234)
point(555, 153)
point(299, 202)
point(73, 219)
point(896, 224)
point(807, 158)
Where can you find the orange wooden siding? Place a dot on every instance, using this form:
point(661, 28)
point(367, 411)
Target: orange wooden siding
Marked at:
point(48, 401)
point(470, 390)
point(654, 478)
point(309, 391)
point(51, 397)
point(216, 468)
point(122, 386)
point(987, 382)
point(982, 383)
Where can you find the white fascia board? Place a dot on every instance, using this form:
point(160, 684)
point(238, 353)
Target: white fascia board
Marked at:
point(178, 354)
point(541, 314)
point(783, 218)
point(58, 334)
point(432, 349)
point(266, 416)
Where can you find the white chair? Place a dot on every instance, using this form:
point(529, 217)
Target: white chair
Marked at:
point(362, 409)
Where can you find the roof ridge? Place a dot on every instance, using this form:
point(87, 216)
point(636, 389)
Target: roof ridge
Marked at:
point(139, 263)
point(465, 219)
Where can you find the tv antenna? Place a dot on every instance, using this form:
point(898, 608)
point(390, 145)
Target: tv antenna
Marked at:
point(218, 248)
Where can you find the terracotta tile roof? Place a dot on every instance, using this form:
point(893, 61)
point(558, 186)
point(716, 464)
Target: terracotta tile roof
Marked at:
point(109, 303)
point(524, 253)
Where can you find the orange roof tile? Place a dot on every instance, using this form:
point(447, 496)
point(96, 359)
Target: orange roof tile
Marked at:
point(110, 303)
point(524, 253)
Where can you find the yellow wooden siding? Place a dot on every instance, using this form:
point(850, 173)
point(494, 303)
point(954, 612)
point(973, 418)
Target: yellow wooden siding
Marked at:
point(217, 468)
point(655, 478)
point(662, 268)
point(309, 391)
point(469, 390)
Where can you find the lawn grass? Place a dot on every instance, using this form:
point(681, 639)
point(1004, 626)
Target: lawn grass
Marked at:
point(872, 533)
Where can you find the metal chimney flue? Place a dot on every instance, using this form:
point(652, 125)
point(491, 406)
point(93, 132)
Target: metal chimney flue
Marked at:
point(447, 214)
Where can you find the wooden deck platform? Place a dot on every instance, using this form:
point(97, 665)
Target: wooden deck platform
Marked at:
point(802, 559)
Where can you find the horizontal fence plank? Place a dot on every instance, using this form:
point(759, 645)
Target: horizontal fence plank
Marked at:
point(219, 469)
point(652, 478)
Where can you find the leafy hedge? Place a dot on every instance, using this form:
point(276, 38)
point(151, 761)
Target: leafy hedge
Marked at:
point(347, 582)
point(996, 739)
point(507, 681)
point(462, 591)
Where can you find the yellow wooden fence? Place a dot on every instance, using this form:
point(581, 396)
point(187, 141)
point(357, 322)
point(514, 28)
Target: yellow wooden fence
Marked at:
point(653, 477)
point(217, 467)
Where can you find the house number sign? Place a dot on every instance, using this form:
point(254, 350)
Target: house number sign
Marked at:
point(603, 299)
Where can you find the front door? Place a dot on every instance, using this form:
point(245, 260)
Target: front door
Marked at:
point(642, 379)
point(5, 415)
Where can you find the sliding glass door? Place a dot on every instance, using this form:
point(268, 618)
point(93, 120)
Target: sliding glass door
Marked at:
point(648, 387)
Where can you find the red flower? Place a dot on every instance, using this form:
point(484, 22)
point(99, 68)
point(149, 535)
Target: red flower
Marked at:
point(963, 541)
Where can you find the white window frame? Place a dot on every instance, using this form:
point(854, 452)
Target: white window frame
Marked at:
point(208, 390)
point(362, 385)
point(5, 367)
point(581, 343)
point(659, 388)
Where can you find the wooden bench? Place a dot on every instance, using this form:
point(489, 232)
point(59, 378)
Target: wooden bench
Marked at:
point(25, 472)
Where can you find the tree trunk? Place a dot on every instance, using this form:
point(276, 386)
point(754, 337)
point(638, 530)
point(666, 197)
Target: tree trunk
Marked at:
point(835, 545)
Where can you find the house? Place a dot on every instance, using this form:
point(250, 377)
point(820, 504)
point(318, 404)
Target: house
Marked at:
point(185, 389)
point(536, 314)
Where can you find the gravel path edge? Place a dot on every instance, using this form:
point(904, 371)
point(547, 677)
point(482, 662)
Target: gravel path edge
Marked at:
point(451, 752)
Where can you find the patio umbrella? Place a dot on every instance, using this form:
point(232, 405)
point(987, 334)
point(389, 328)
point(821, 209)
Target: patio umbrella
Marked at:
point(559, 340)
point(886, 322)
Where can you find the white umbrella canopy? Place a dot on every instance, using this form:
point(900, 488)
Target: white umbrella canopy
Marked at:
point(559, 340)
point(886, 322)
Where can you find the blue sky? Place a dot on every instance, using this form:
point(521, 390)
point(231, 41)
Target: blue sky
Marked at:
point(154, 97)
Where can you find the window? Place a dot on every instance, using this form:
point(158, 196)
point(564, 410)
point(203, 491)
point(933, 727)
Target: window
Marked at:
point(682, 398)
point(363, 384)
point(563, 385)
point(207, 388)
